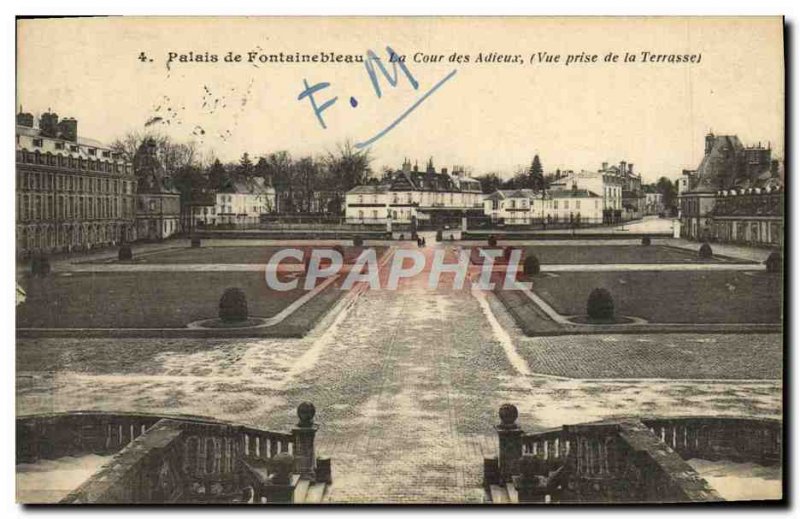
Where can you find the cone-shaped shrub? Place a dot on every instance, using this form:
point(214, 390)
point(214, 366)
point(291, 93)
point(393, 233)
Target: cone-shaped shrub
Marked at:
point(233, 305)
point(774, 262)
point(439, 235)
point(600, 304)
point(531, 266)
point(705, 251)
point(125, 253)
point(40, 265)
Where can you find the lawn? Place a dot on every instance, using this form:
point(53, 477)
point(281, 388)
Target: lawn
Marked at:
point(233, 254)
point(141, 299)
point(671, 296)
point(609, 254)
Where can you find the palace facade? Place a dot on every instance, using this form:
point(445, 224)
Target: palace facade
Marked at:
point(735, 195)
point(73, 193)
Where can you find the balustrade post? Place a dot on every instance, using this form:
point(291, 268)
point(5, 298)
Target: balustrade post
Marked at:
point(280, 489)
point(304, 440)
point(510, 441)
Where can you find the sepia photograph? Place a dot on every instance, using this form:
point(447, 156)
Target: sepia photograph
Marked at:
point(394, 260)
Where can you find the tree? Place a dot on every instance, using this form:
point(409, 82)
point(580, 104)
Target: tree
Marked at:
point(490, 182)
point(217, 176)
point(245, 168)
point(536, 174)
point(669, 193)
point(347, 168)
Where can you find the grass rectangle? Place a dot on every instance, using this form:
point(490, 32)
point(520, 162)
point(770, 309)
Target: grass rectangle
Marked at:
point(671, 296)
point(141, 299)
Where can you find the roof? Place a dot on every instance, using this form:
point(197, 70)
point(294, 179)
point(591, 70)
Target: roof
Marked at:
point(369, 189)
point(249, 186)
point(573, 193)
point(718, 166)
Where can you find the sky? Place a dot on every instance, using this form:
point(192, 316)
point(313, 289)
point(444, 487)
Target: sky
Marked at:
point(488, 117)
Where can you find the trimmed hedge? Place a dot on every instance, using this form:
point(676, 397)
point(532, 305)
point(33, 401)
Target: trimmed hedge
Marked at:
point(530, 266)
point(125, 253)
point(40, 266)
point(774, 262)
point(600, 305)
point(233, 305)
point(705, 251)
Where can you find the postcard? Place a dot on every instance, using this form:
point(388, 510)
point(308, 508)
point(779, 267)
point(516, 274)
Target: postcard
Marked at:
point(399, 260)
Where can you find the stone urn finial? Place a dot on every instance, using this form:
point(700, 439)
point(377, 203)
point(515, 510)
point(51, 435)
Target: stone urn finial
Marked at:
point(508, 415)
point(306, 412)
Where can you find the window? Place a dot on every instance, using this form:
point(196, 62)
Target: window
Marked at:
point(73, 148)
point(91, 151)
point(577, 204)
point(38, 143)
point(106, 154)
point(59, 145)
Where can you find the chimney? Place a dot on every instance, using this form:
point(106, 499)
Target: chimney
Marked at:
point(709, 143)
point(623, 167)
point(68, 129)
point(773, 168)
point(605, 166)
point(48, 124)
point(25, 119)
point(630, 168)
point(444, 171)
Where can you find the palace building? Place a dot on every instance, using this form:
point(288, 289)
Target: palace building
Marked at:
point(735, 195)
point(73, 193)
point(158, 207)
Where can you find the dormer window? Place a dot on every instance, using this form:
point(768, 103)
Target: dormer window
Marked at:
point(106, 154)
point(91, 151)
point(38, 143)
point(59, 145)
point(73, 148)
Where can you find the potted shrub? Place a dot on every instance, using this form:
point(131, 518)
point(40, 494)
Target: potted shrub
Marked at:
point(233, 305)
point(774, 262)
point(125, 253)
point(600, 305)
point(705, 251)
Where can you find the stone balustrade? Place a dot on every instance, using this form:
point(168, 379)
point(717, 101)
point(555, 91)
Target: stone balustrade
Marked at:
point(177, 459)
point(623, 460)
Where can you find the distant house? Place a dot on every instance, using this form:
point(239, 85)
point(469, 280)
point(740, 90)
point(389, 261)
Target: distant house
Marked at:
point(241, 202)
point(409, 194)
point(611, 183)
point(526, 206)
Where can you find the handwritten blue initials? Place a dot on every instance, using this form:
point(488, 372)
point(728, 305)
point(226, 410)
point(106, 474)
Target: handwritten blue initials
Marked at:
point(373, 66)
